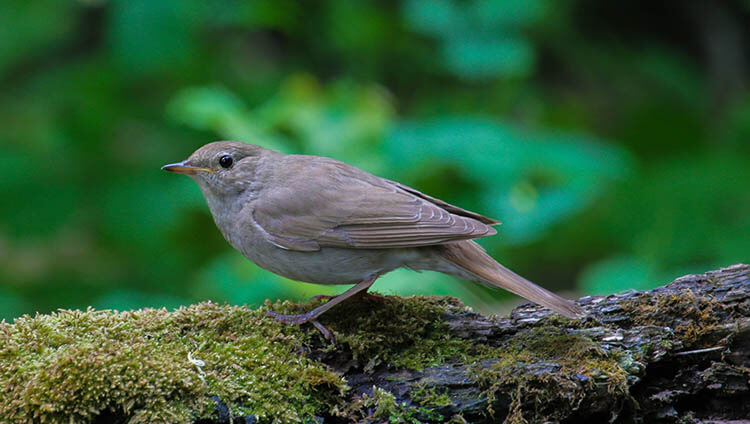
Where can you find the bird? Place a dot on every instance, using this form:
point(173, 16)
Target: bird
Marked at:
point(319, 220)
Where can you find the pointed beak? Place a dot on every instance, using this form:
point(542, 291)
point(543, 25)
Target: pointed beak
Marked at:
point(186, 168)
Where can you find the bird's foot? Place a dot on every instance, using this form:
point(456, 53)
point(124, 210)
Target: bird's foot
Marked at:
point(299, 319)
point(296, 319)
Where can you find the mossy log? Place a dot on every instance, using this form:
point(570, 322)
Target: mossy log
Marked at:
point(678, 353)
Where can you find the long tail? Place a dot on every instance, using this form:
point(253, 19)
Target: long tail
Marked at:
point(468, 256)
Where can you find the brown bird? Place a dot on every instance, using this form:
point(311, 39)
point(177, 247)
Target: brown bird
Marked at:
point(315, 219)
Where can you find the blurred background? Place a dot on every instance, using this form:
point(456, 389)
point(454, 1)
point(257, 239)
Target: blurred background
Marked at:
point(611, 138)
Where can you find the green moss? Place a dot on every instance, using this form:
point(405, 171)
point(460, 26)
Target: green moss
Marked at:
point(543, 369)
point(158, 366)
point(697, 315)
point(382, 406)
point(402, 332)
point(429, 397)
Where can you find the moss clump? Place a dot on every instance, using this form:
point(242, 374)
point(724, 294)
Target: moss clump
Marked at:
point(690, 315)
point(156, 366)
point(545, 370)
point(402, 332)
point(381, 406)
point(429, 397)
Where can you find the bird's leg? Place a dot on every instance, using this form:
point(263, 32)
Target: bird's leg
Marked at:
point(313, 315)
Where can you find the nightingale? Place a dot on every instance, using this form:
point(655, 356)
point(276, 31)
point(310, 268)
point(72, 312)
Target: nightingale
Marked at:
point(322, 221)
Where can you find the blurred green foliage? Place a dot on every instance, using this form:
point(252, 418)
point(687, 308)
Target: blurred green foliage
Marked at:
point(611, 139)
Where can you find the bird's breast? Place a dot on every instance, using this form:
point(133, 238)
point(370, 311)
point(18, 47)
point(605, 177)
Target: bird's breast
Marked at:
point(328, 265)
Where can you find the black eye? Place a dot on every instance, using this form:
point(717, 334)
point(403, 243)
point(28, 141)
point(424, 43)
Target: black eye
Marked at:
point(226, 161)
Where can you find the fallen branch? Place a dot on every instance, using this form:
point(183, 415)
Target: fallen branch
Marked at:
point(679, 352)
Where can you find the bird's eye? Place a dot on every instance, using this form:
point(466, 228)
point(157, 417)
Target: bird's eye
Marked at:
point(226, 161)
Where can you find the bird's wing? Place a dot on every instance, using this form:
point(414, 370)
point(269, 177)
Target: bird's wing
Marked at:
point(326, 203)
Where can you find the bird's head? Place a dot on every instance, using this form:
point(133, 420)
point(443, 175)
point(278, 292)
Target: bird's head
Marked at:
point(221, 168)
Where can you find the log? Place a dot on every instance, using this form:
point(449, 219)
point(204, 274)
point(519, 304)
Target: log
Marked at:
point(678, 353)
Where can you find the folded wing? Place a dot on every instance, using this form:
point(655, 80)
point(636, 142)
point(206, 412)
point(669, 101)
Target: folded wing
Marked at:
point(354, 209)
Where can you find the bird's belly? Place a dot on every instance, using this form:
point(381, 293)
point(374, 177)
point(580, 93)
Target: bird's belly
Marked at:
point(328, 265)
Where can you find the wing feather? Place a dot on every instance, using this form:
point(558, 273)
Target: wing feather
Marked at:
point(354, 209)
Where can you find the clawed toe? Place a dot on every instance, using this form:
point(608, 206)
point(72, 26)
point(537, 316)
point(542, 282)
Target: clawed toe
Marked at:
point(312, 316)
point(302, 319)
point(290, 319)
point(323, 330)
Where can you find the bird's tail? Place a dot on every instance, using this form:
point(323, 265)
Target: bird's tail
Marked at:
point(470, 258)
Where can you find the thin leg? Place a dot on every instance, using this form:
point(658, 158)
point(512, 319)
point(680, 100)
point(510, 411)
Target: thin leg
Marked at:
point(313, 315)
point(323, 330)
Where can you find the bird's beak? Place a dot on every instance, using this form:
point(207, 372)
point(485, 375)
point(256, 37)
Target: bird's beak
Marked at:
point(185, 167)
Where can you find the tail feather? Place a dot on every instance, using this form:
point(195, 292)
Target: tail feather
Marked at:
point(470, 257)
